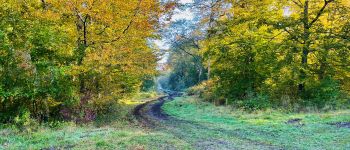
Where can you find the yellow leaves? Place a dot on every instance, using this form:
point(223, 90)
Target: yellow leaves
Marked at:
point(270, 82)
point(52, 103)
point(345, 2)
point(9, 29)
point(115, 32)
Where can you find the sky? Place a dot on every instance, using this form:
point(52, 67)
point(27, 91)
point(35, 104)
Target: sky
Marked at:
point(187, 14)
point(186, 1)
point(178, 15)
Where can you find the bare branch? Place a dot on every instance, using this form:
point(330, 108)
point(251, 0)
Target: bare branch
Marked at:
point(184, 50)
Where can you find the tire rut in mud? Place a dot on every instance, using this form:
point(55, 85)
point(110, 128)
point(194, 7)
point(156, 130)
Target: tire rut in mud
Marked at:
point(151, 115)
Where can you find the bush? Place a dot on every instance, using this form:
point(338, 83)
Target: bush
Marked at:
point(208, 92)
point(204, 90)
point(326, 92)
point(254, 102)
point(24, 122)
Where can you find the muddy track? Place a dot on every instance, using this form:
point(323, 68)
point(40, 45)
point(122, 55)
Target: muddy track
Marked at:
point(151, 115)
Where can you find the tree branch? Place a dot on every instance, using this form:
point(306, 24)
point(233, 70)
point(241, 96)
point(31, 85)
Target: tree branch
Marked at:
point(293, 36)
point(272, 38)
point(103, 30)
point(184, 50)
point(44, 4)
point(298, 4)
point(320, 12)
point(136, 11)
point(132, 19)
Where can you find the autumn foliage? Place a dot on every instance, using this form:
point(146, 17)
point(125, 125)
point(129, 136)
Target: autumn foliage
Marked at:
point(70, 59)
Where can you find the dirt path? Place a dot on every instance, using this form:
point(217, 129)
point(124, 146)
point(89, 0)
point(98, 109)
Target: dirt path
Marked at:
point(150, 115)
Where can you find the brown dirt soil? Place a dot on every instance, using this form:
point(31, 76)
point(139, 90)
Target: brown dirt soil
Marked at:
point(151, 115)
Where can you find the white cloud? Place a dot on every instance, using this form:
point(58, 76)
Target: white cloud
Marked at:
point(186, 1)
point(161, 44)
point(178, 15)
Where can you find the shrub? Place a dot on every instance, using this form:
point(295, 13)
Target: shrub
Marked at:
point(326, 92)
point(254, 102)
point(205, 90)
point(24, 122)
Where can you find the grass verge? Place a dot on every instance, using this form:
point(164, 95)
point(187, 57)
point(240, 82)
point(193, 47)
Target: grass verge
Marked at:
point(280, 129)
point(108, 132)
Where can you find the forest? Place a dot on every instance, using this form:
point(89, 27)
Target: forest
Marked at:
point(72, 59)
point(174, 74)
point(261, 53)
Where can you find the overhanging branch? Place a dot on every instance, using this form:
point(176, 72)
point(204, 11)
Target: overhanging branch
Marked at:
point(320, 12)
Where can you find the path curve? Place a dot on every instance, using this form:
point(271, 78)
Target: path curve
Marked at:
point(150, 115)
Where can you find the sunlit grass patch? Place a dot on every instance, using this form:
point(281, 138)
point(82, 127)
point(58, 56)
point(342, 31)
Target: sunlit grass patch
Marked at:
point(89, 137)
point(287, 130)
point(139, 98)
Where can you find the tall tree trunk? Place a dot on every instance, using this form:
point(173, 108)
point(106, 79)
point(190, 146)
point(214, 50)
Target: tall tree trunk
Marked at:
point(210, 32)
point(306, 40)
point(82, 42)
point(82, 45)
point(306, 48)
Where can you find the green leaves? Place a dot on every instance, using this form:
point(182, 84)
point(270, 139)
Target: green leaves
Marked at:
point(260, 50)
point(59, 54)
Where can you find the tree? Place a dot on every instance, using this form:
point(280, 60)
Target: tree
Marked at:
point(280, 48)
point(76, 54)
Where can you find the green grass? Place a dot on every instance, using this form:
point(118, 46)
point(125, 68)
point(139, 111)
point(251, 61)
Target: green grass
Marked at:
point(267, 127)
point(109, 132)
point(86, 137)
point(196, 125)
